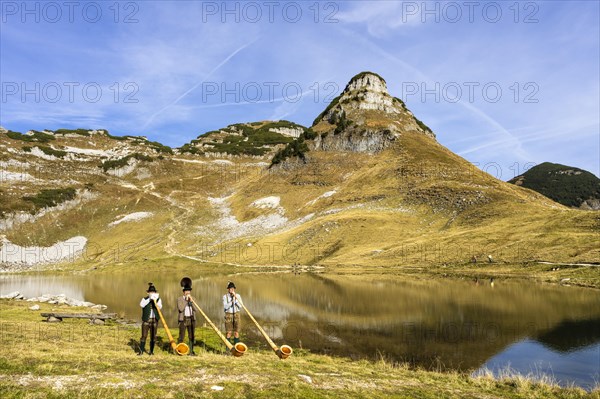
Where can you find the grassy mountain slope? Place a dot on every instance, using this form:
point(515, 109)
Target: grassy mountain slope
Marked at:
point(379, 192)
point(415, 202)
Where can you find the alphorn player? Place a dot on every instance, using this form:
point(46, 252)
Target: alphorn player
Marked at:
point(149, 318)
point(187, 314)
point(232, 304)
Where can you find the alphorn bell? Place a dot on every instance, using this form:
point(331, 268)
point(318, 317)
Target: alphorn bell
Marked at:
point(236, 350)
point(283, 352)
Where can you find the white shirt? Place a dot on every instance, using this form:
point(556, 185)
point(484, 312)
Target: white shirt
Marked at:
point(229, 303)
point(145, 301)
point(187, 312)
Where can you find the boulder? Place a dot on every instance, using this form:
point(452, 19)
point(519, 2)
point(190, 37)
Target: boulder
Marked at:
point(35, 307)
point(73, 302)
point(11, 295)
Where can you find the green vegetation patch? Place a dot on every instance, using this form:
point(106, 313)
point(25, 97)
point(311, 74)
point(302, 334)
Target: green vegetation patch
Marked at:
point(332, 104)
point(564, 184)
point(51, 197)
point(81, 132)
point(398, 100)
point(51, 151)
point(119, 163)
point(422, 125)
point(296, 148)
point(190, 149)
point(253, 139)
point(37, 136)
point(340, 121)
point(241, 148)
point(159, 147)
point(110, 136)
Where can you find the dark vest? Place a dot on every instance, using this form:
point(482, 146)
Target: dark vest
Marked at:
point(146, 310)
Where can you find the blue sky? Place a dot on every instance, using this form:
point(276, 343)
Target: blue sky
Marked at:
point(504, 84)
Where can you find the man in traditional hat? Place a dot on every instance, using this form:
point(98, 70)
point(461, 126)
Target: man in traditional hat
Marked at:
point(187, 317)
point(232, 303)
point(149, 316)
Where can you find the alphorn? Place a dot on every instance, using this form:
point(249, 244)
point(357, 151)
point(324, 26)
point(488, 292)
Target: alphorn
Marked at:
point(236, 350)
point(283, 352)
point(181, 349)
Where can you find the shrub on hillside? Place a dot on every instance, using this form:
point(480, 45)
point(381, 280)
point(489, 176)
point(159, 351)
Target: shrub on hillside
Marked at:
point(38, 137)
point(81, 132)
point(51, 197)
point(119, 163)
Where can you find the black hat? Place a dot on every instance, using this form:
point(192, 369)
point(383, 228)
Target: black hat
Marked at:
point(151, 287)
point(186, 283)
point(230, 285)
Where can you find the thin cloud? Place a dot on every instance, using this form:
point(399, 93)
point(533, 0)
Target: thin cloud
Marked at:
point(381, 18)
point(216, 68)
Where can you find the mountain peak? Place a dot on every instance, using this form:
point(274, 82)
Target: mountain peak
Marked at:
point(369, 81)
point(368, 91)
point(365, 118)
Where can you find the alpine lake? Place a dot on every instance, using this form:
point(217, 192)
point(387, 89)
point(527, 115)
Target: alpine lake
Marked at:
point(509, 326)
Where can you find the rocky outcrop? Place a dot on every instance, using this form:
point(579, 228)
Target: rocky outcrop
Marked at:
point(364, 118)
point(288, 131)
point(371, 92)
point(366, 140)
point(592, 204)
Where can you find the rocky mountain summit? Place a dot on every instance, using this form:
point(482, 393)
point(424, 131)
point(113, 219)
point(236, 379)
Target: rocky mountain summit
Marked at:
point(364, 118)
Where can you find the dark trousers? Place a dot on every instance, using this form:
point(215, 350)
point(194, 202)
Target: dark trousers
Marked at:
point(149, 326)
point(188, 324)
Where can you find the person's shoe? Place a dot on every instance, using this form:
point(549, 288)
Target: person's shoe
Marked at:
point(191, 349)
point(151, 348)
point(142, 348)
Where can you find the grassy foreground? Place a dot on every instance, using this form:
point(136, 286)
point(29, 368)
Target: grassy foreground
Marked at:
point(76, 359)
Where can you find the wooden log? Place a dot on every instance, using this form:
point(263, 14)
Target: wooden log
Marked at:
point(91, 316)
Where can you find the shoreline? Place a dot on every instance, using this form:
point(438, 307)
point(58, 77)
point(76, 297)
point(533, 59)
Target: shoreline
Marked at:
point(566, 274)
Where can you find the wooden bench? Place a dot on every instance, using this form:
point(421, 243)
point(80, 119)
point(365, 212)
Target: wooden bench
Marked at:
point(91, 316)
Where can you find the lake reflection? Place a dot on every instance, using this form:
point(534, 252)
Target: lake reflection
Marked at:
point(435, 323)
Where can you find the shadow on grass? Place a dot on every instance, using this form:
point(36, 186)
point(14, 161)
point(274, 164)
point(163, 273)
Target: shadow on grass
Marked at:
point(164, 345)
point(134, 345)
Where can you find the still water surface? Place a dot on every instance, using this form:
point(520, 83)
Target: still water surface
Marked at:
point(449, 324)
